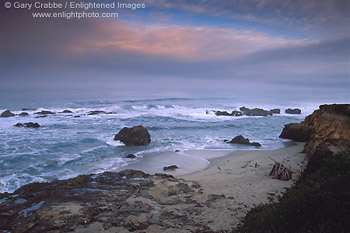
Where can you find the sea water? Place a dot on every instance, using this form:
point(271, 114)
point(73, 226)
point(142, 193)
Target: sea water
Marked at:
point(69, 144)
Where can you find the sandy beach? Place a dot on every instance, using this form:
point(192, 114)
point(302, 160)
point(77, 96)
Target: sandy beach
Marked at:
point(243, 177)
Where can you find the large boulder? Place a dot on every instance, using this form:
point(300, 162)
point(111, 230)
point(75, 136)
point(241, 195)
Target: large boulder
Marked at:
point(296, 132)
point(293, 111)
point(7, 113)
point(135, 136)
point(244, 141)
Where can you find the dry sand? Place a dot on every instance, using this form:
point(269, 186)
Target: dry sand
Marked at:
point(244, 177)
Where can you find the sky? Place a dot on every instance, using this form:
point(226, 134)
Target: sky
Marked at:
point(250, 45)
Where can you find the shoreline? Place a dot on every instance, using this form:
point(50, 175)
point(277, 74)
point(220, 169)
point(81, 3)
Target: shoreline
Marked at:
point(191, 161)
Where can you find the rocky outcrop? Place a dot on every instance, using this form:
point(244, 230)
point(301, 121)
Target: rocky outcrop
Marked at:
point(244, 141)
point(275, 111)
point(135, 136)
point(247, 112)
point(293, 111)
point(330, 123)
point(7, 113)
point(255, 112)
point(296, 132)
point(28, 125)
point(128, 201)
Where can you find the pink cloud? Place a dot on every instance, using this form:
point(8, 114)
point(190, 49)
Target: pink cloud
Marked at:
point(179, 42)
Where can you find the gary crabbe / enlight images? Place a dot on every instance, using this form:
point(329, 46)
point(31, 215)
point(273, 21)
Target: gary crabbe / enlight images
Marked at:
point(74, 5)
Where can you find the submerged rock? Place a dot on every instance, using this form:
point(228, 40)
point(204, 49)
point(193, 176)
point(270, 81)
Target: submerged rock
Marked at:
point(7, 113)
point(222, 113)
point(96, 112)
point(28, 125)
point(244, 141)
point(293, 111)
point(135, 136)
point(23, 114)
point(45, 112)
point(131, 156)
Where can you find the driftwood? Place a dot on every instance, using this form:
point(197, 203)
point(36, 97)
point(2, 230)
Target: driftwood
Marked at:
point(281, 171)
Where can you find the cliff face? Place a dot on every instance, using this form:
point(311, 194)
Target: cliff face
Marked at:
point(329, 125)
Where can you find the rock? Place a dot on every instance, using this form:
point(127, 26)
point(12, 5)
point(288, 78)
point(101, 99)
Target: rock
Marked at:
point(225, 113)
point(31, 125)
point(131, 156)
point(128, 201)
point(28, 109)
point(222, 113)
point(275, 111)
point(171, 168)
point(96, 112)
point(135, 136)
point(244, 141)
point(66, 111)
point(255, 111)
point(45, 112)
point(236, 113)
point(7, 113)
point(28, 125)
point(296, 132)
point(293, 111)
point(23, 114)
point(256, 144)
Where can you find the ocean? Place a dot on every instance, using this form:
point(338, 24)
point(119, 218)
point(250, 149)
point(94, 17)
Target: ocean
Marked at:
point(70, 144)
